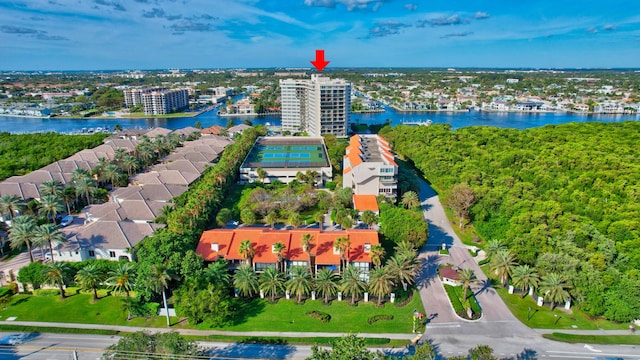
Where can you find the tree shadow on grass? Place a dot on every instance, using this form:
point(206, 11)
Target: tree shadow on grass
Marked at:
point(247, 309)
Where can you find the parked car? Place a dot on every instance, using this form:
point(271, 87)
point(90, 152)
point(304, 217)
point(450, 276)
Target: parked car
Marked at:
point(66, 220)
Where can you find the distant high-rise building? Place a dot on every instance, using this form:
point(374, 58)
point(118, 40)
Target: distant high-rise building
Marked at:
point(157, 101)
point(318, 106)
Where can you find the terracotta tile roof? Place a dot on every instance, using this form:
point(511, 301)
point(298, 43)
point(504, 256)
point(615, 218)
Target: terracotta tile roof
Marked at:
point(213, 130)
point(365, 202)
point(229, 240)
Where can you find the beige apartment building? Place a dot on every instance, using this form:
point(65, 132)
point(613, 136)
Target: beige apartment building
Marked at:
point(318, 106)
point(369, 167)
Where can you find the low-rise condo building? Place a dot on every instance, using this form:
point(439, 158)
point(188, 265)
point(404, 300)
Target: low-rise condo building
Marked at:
point(369, 167)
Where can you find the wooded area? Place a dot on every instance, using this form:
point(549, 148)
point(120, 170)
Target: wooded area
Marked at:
point(564, 199)
point(23, 153)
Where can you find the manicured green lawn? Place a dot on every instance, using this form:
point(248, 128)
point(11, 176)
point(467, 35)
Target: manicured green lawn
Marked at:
point(542, 317)
point(254, 315)
point(286, 315)
point(595, 339)
point(77, 308)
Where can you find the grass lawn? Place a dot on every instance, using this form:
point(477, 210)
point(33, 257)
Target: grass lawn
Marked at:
point(325, 341)
point(286, 315)
point(542, 317)
point(468, 234)
point(77, 308)
point(595, 339)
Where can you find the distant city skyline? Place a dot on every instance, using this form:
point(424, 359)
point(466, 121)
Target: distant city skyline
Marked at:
point(160, 34)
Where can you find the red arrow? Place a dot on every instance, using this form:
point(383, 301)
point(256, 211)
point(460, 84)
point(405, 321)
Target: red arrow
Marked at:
point(320, 62)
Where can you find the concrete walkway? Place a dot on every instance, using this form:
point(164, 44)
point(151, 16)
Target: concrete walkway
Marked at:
point(202, 332)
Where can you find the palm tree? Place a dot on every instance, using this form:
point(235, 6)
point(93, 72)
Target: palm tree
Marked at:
point(245, 280)
point(129, 164)
point(12, 205)
point(467, 277)
point(294, 219)
point(49, 234)
point(377, 254)
point(351, 283)
point(299, 281)
point(262, 174)
point(272, 282)
point(319, 218)
point(160, 278)
point(342, 244)
point(89, 278)
point(86, 187)
point(121, 278)
point(403, 270)
point(406, 250)
point(51, 187)
point(307, 240)
point(326, 284)
point(493, 247)
point(50, 207)
point(525, 277)
point(369, 218)
point(119, 154)
point(410, 199)
point(218, 273)
point(111, 174)
point(56, 274)
point(271, 219)
point(380, 282)
point(278, 249)
point(79, 174)
point(69, 196)
point(247, 251)
point(554, 286)
point(21, 233)
point(501, 264)
point(145, 154)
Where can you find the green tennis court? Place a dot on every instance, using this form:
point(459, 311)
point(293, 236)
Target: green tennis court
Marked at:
point(287, 153)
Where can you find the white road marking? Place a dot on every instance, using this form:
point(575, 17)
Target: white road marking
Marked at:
point(591, 348)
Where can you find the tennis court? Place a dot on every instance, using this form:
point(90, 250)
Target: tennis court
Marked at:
point(287, 153)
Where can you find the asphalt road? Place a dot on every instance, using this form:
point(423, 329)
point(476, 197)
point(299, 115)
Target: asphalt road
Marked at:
point(498, 327)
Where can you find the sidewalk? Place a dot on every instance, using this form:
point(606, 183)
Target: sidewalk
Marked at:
point(587, 332)
point(202, 332)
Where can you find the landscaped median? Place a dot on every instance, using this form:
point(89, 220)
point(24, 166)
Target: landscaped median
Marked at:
point(254, 315)
point(595, 339)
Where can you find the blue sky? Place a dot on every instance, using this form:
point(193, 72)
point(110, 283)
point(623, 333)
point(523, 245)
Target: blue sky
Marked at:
point(157, 34)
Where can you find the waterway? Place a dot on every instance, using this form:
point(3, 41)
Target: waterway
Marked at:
point(456, 120)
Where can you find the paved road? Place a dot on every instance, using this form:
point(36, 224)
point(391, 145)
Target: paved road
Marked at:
point(498, 327)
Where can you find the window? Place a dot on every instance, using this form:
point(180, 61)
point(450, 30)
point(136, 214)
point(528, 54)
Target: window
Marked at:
point(112, 254)
point(92, 253)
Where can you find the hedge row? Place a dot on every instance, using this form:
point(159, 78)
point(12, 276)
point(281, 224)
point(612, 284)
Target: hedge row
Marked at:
point(372, 320)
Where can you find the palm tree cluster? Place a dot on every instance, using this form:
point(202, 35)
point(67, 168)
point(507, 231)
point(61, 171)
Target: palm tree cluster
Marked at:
point(553, 286)
point(400, 270)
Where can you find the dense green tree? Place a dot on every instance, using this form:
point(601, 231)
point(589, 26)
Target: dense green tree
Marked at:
point(398, 224)
point(349, 347)
point(157, 346)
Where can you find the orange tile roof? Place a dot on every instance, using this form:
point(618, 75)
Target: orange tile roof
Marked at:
point(214, 130)
point(222, 237)
point(365, 202)
point(346, 170)
point(262, 238)
point(324, 251)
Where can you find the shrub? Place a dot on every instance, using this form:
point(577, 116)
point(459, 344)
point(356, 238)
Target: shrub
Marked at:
point(444, 252)
point(483, 262)
point(46, 292)
point(322, 316)
point(372, 320)
point(13, 288)
point(330, 185)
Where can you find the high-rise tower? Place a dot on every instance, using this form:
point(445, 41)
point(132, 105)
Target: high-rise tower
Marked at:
point(318, 106)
